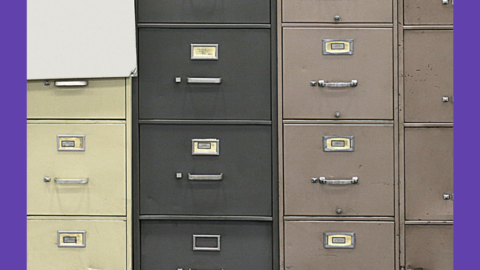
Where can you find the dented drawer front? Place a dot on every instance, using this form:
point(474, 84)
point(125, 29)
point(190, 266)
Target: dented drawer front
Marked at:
point(76, 169)
point(428, 12)
point(204, 11)
point(428, 76)
point(204, 74)
point(316, 156)
point(339, 245)
point(429, 173)
point(205, 169)
point(76, 244)
point(429, 247)
point(76, 99)
point(348, 11)
point(337, 73)
point(194, 245)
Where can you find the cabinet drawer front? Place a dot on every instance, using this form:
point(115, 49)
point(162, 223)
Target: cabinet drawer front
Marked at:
point(429, 246)
point(429, 173)
point(205, 11)
point(361, 55)
point(236, 181)
point(233, 245)
point(76, 99)
point(428, 12)
point(63, 179)
point(322, 182)
point(51, 244)
point(349, 11)
point(305, 245)
point(211, 74)
point(429, 76)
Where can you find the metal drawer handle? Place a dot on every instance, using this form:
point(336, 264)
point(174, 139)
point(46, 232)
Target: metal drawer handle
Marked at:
point(71, 181)
point(323, 181)
point(204, 80)
point(448, 197)
point(417, 268)
point(71, 83)
point(203, 177)
point(445, 2)
point(353, 83)
point(195, 247)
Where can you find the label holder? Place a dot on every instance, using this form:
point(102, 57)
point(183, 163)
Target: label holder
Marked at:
point(339, 240)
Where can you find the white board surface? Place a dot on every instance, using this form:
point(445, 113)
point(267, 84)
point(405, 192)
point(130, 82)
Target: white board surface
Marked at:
point(80, 39)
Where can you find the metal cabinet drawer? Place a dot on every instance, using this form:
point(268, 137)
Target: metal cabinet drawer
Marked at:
point(349, 11)
point(339, 245)
point(429, 173)
point(63, 179)
point(429, 247)
point(205, 169)
point(338, 170)
point(76, 99)
point(232, 245)
point(428, 75)
point(337, 73)
point(428, 12)
point(76, 244)
point(205, 11)
point(211, 74)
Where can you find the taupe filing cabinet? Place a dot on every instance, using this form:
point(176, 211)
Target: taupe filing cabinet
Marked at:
point(365, 155)
point(205, 133)
point(79, 188)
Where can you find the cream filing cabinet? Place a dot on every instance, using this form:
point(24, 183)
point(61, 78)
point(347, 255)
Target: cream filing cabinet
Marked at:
point(81, 57)
point(78, 174)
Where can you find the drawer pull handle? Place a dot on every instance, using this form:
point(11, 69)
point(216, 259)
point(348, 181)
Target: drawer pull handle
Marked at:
point(71, 181)
point(322, 83)
point(445, 2)
point(203, 177)
point(415, 268)
point(204, 80)
point(353, 181)
point(197, 248)
point(71, 83)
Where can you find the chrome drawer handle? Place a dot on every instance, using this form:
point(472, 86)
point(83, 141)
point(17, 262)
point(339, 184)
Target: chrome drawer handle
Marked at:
point(204, 80)
point(203, 177)
point(447, 196)
point(323, 181)
point(445, 2)
point(353, 83)
point(71, 83)
point(71, 181)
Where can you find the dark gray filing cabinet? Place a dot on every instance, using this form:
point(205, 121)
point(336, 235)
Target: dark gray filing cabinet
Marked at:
point(205, 136)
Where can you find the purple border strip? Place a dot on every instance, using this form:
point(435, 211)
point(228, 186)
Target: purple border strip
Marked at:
point(13, 134)
point(466, 145)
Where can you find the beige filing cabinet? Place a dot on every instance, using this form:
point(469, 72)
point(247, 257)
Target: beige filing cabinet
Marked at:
point(79, 174)
point(365, 105)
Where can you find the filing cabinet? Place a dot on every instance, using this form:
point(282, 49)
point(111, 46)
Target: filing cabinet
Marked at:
point(79, 174)
point(76, 169)
point(428, 75)
point(205, 170)
point(429, 173)
point(235, 245)
point(76, 99)
point(333, 73)
point(428, 12)
point(339, 245)
point(205, 11)
point(348, 11)
point(211, 74)
point(429, 247)
point(338, 170)
point(205, 133)
point(59, 244)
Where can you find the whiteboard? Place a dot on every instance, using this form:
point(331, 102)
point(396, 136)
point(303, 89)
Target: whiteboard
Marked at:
point(80, 39)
